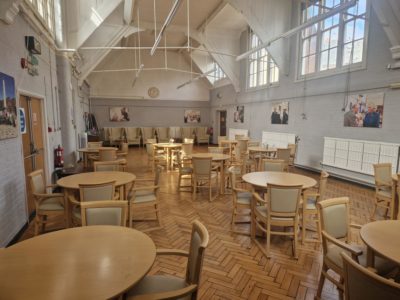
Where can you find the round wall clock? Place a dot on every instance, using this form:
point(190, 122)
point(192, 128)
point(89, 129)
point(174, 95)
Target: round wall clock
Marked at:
point(153, 92)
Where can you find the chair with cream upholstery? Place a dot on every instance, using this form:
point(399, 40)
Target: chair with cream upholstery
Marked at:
point(46, 204)
point(272, 165)
point(203, 175)
point(163, 134)
point(241, 155)
point(151, 141)
point(293, 151)
point(154, 157)
point(145, 197)
point(284, 154)
point(113, 165)
point(202, 136)
point(240, 136)
point(220, 139)
point(309, 208)
point(335, 224)
point(185, 171)
point(106, 212)
point(92, 145)
point(187, 133)
point(107, 154)
point(187, 140)
point(363, 284)
point(147, 133)
point(132, 135)
point(115, 134)
point(279, 210)
point(186, 150)
point(170, 287)
point(384, 193)
point(241, 199)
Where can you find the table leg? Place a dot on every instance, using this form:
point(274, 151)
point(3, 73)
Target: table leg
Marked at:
point(85, 159)
point(67, 207)
point(222, 177)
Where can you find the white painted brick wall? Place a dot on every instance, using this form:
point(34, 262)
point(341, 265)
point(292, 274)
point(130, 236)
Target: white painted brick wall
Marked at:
point(13, 213)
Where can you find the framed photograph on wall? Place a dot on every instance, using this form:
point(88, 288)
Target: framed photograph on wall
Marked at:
point(119, 114)
point(364, 110)
point(238, 114)
point(280, 113)
point(8, 107)
point(192, 116)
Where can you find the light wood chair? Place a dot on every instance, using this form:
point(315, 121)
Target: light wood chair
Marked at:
point(364, 284)
point(46, 204)
point(218, 150)
point(93, 145)
point(113, 165)
point(203, 176)
point(384, 192)
point(335, 224)
point(107, 212)
point(202, 136)
point(272, 165)
point(132, 135)
point(154, 157)
point(163, 134)
point(187, 140)
point(187, 133)
point(220, 139)
point(239, 136)
point(309, 208)
point(241, 155)
point(107, 154)
point(186, 150)
point(169, 287)
point(115, 135)
point(241, 200)
point(253, 143)
point(279, 210)
point(293, 152)
point(147, 133)
point(284, 154)
point(144, 198)
point(185, 171)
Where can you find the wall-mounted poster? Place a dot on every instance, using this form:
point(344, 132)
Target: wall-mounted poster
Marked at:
point(8, 108)
point(119, 114)
point(364, 110)
point(192, 116)
point(238, 114)
point(280, 113)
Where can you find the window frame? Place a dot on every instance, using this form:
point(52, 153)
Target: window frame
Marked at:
point(218, 71)
point(258, 61)
point(44, 20)
point(340, 68)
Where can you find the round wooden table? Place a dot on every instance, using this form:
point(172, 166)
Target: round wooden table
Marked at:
point(262, 179)
point(382, 238)
point(231, 144)
point(217, 157)
point(259, 150)
point(71, 183)
point(167, 148)
point(394, 210)
point(93, 262)
point(87, 151)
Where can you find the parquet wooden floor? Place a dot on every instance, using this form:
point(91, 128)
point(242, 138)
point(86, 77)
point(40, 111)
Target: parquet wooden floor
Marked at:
point(234, 268)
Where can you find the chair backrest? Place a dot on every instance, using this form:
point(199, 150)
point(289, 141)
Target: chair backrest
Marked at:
point(219, 150)
point(147, 133)
point(107, 154)
point(150, 149)
point(187, 149)
point(151, 141)
point(323, 180)
point(383, 173)
point(97, 192)
point(253, 143)
point(272, 165)
point(201, 166)
point(92, 145)
point(187, 140)
point(362, 284)
point(162, 132)
point(198, 244)
point(334, 217)
point(220, 139)
point(37, 182)
point(239, 136)
point(112, 165)
point(234, 174)
point(116, 133)
point(132, 133)
point(283, 153)
point(124, 147)
point(108, 212)
point(243, 145)
point(283, 201)
point(292, 148)
point(201, 131)
point(187, 132)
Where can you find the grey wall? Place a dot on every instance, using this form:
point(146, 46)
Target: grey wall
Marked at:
point(149, 112)
point(320, 99)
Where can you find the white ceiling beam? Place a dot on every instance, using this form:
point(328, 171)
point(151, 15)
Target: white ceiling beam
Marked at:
point(97, 17)
point(212, 16)
point(128, 11)
point(388, 20)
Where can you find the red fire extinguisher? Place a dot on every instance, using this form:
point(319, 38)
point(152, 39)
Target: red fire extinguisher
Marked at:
point(59, 157)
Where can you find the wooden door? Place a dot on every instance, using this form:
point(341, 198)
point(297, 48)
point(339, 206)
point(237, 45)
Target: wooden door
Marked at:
point(32, 141)
point(222, 123)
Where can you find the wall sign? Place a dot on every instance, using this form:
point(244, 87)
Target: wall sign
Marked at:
point(22, 120)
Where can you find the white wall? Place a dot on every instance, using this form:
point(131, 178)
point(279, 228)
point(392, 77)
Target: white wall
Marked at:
point(321, 100)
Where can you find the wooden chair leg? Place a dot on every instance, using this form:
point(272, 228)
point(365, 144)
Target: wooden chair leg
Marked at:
point(37, 223)
point(268, 240)
point(303, 227)
point(374, 211)
point(130, 215)
point(321, 281)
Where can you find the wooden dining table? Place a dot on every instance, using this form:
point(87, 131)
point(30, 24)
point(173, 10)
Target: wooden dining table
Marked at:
point(70, 184)
point(216, 157)
point(168, 147)
point(87, 151)
point(260, 150)
point(92, 262)
point(262, 179)
point(382, 238)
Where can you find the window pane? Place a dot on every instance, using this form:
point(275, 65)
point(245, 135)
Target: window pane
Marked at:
point(359, 30)
point(347, 49)
point(325, 40)
point(313, 45)
point(324, 61)
point(362, 7)
point(332, 58)
point(304, 66)
point(306, 47)
point(311, 64)
point(334, 37)
point(358, 51)
point(348, 31)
